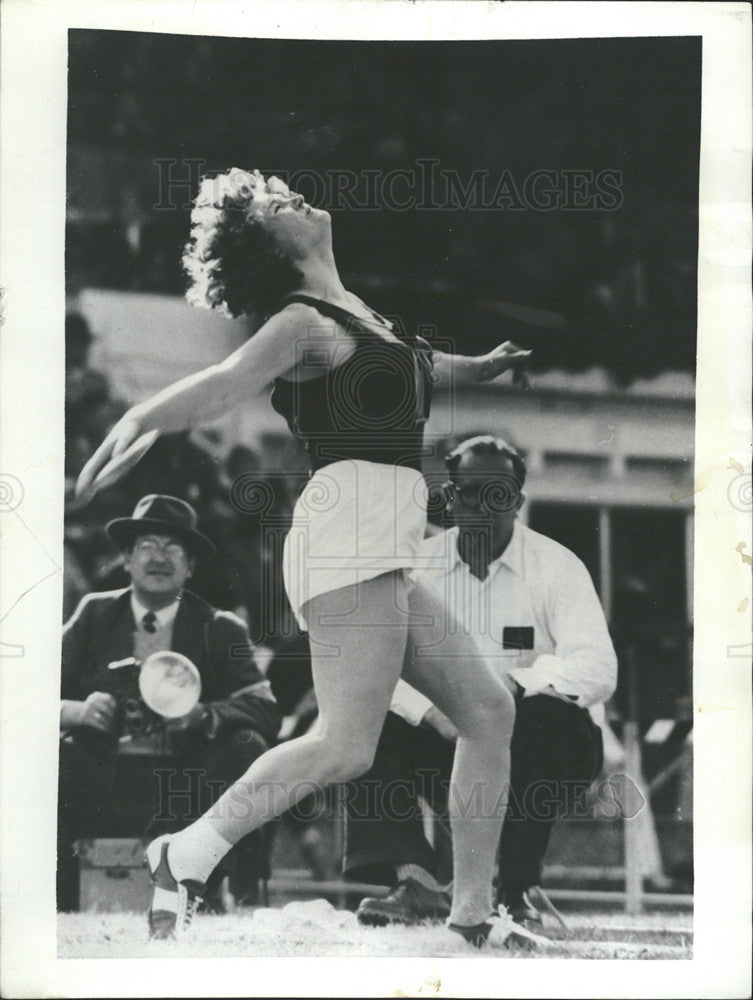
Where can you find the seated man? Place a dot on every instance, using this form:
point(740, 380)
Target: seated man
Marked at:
point(124, 770)
point(533, 611)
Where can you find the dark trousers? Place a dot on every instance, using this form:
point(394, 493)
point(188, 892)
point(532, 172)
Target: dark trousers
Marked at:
point(383, 819)
point(556, 752)
point(102, 793)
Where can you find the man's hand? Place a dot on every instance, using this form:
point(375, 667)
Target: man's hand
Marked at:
point(553, 693)
point(502, 358)
point(193, 720)
point(439, 721)
point(97, 712)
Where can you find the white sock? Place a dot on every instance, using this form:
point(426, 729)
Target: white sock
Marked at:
point(196, 851)
point(418, 874)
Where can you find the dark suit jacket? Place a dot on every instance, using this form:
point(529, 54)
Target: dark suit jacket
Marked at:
point(101, 632)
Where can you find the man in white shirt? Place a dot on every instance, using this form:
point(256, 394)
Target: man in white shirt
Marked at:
point(531, 606)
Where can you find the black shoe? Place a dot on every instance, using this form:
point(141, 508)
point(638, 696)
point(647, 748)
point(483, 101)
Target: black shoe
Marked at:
point(408, 903)
point(213, 897)
point(173, 903)
point(520, 908)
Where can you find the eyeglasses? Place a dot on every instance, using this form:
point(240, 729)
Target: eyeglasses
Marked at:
point(150, 546)
point(470, 499)
point(498, 495)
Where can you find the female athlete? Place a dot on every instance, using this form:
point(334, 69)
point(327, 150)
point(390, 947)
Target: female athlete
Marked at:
point(356, 391)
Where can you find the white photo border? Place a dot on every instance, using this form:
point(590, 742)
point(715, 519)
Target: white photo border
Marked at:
point(32, 173)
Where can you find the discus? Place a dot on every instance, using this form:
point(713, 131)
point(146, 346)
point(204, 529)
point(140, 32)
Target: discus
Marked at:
point(170, 684)
point(122, 463)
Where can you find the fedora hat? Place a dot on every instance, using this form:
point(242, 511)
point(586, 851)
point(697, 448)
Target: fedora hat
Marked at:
point(162, 515)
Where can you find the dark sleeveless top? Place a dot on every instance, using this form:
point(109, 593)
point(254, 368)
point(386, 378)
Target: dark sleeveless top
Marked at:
point(372, 406)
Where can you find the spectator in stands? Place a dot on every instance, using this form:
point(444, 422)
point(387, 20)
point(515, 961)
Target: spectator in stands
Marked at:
point(242, 468)
point(75, 580)
point(241, 461)
point(221, 582)
point(85, 387)
point(533, 610)
point(262, 502)
point(90, 407)
point(124, 771)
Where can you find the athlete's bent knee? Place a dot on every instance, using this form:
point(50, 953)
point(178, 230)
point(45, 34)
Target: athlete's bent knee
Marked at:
point(356, 766)
point(336, 764)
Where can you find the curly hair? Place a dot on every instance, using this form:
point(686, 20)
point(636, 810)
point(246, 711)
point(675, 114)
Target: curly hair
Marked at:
point(232, 263)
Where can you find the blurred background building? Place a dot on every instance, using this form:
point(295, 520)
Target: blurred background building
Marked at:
point(539, 191)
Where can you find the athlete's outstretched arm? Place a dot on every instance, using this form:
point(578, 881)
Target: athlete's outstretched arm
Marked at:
point(207, 394)
point(458, 369)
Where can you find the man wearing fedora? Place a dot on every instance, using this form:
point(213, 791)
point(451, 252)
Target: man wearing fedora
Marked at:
point(125, 771)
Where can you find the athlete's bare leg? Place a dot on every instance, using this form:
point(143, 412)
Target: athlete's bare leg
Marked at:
point(444, 665)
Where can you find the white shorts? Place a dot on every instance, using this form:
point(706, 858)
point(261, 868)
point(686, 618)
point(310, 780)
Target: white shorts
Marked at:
point(354, 520)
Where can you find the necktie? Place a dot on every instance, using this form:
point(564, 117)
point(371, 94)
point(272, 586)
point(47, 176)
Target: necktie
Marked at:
point(148, 622)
